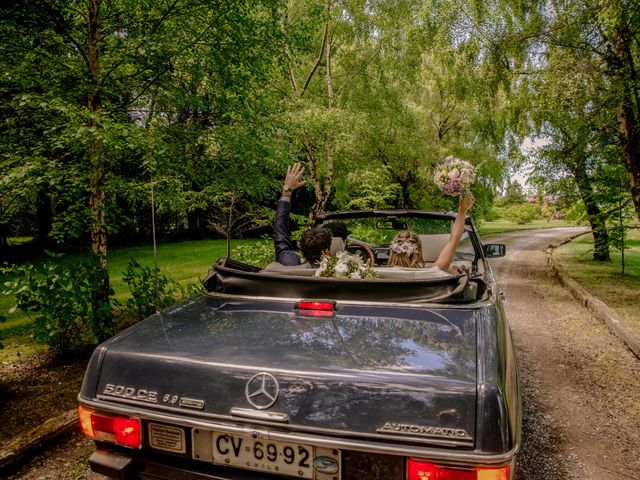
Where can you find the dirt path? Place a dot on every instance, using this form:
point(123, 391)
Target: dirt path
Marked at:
point(581, 386)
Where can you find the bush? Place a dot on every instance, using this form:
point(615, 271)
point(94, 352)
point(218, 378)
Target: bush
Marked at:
point(577, 214)
point(492, 214)
point(260, 254)
point(521, 213)
point(57, 297)
point(142, 284)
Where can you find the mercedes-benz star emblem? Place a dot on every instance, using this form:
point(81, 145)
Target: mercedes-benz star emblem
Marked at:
point(262, 390)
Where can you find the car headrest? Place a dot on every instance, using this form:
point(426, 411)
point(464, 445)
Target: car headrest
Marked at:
point(432, 245)
point(337, 245)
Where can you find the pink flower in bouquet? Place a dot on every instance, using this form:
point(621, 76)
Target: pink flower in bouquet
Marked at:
point(454, 176)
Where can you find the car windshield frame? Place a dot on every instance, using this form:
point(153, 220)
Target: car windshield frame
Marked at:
point(470, 228)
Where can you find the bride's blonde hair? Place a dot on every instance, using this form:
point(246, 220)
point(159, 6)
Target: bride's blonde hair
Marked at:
point(406, 250)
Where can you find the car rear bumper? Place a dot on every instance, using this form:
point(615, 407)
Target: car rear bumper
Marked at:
point(139, 466)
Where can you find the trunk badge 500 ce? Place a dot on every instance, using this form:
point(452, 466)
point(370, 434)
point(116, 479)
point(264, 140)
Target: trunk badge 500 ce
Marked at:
point(150, 396)
point(262, 390)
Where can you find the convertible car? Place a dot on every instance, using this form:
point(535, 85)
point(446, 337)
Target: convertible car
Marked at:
point(279, 373)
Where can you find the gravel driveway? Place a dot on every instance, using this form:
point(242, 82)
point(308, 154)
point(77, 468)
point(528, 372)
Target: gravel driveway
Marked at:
point(581, 386)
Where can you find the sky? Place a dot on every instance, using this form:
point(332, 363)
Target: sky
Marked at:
point(528, 147)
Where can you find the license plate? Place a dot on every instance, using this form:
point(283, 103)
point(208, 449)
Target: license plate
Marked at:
point(263, 455)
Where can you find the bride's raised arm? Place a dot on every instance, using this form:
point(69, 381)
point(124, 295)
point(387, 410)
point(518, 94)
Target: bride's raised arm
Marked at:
point(457, 229)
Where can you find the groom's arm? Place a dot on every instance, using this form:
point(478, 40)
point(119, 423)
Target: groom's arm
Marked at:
point(285, 253)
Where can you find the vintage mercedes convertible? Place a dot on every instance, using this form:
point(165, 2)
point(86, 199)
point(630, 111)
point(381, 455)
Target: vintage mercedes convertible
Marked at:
point(279, 373)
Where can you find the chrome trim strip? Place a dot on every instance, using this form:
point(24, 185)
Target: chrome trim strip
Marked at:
point(420, 306)
point(204, 417)
point(260, 415)
point(453, 456)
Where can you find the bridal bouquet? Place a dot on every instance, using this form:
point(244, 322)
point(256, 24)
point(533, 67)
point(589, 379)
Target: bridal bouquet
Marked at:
point(454, 176)
point(344, 265)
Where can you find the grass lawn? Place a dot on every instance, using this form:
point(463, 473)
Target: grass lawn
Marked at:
point(604, 279)
point(501, 226)
point(189, 261)
point(184, 262)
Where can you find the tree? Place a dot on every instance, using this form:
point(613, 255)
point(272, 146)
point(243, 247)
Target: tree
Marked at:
point(513, 194)
point(597, 39)
point(231, 216)
point(619, 43)
point(77, 130)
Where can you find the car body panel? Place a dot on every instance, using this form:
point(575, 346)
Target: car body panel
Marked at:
point(351, 373)
point(417, 373)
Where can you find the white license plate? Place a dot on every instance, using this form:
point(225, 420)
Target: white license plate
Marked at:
point(263, 455)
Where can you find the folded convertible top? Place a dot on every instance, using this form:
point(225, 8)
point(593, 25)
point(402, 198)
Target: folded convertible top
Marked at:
point(239, 279)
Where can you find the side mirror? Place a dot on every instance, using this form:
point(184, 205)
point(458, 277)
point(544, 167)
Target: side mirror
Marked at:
point(495, 250)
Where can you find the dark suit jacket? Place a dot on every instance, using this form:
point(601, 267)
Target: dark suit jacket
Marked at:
point(285, 254)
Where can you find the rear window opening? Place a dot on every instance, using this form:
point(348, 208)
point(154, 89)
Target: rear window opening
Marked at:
point(233, 277)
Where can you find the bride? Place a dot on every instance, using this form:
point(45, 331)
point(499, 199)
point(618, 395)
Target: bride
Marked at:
point(406, 249)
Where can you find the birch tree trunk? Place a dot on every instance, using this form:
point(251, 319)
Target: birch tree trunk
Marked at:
point(322, 184)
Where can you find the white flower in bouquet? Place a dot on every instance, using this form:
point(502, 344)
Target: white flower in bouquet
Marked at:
point(454, 176)
point(344, 265)
point(342, 269)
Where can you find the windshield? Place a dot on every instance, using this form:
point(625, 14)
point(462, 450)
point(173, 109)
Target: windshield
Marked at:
point(379, 232)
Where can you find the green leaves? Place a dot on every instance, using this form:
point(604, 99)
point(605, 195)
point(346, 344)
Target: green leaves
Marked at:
point(57, 297)
point(151, 290)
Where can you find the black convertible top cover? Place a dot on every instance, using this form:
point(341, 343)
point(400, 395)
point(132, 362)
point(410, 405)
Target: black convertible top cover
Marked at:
point(230, 277)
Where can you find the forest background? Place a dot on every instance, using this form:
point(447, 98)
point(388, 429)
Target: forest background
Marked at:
point(198, 106)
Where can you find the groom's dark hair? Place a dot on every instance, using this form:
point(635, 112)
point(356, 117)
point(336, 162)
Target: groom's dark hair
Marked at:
point(313, 243)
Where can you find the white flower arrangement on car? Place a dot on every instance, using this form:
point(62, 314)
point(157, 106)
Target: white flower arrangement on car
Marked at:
point(454, 176)
point(344, 265)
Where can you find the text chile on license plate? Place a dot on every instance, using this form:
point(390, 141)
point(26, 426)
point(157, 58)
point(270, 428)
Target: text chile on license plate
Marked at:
point(264, 455)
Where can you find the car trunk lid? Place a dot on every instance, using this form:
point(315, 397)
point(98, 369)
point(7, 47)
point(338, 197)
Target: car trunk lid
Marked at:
point(374, 371)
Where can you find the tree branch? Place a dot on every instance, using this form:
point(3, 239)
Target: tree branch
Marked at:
point(356, 73)
point(325, 36)
point(141, 42)
point(59, 20)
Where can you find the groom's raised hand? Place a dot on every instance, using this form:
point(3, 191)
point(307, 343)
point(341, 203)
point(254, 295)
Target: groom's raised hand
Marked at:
point(292, 180)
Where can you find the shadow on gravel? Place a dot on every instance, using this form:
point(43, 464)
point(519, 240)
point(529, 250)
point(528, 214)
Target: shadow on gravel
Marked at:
point(540, 456)
point(36, 388)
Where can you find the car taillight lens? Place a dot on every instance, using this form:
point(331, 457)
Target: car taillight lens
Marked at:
point(315, 309)
point(124, 431)
point(421, 470)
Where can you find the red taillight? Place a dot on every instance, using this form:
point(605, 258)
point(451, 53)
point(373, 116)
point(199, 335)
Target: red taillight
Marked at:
point(124, 431)
point(316, 309)
point(421, 470)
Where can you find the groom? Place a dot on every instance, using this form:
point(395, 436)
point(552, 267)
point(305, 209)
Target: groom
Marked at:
point(314, 242)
